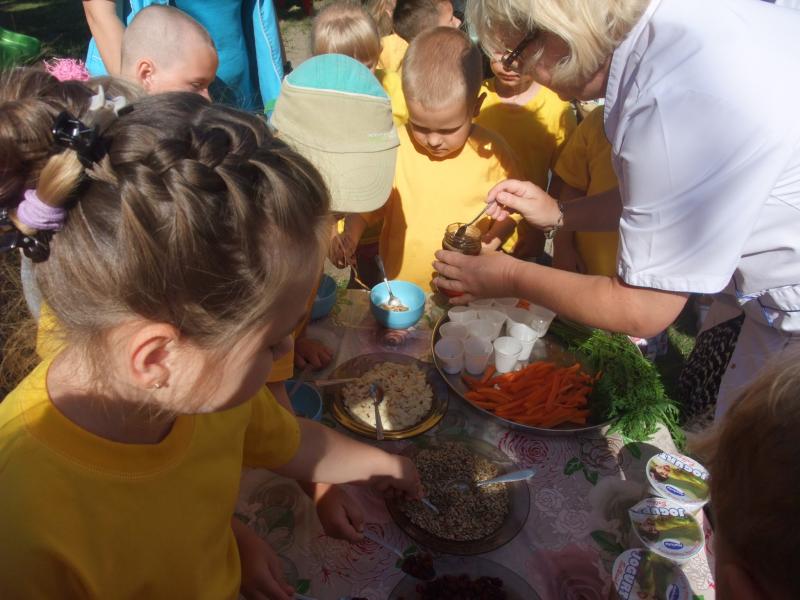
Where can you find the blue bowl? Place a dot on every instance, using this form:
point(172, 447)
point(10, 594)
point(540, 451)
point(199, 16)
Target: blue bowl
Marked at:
point(306, 401)
point(409, 293)
point(326, 298)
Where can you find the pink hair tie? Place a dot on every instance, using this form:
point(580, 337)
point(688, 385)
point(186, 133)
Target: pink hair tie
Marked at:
point(66, 69)
point(37, 215)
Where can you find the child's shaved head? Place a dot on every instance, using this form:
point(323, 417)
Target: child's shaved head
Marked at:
point(412, 17)
point(166, 50)
point(442, 66)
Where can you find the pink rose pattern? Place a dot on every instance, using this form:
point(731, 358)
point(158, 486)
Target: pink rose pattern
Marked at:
point(574, 572)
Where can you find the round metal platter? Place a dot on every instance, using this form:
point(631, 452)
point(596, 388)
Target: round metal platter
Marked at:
point(547, 348)
point(356, 367)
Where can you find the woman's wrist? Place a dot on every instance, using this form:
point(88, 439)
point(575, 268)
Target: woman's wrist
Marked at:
point(556, 218)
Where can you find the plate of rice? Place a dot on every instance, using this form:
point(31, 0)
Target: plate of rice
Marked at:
point(414, 395)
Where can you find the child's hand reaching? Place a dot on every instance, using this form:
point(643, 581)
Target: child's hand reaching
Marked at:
point(310, 352)
point(262, 570)
point(340, 514)
point(342, 251)
point(402, 478)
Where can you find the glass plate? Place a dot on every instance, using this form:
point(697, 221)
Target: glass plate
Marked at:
point(547, 348)
point(356, 367)
point(474, 566)
point(519, 497)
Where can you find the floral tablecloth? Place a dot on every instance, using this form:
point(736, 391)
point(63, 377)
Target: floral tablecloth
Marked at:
point(578, 521)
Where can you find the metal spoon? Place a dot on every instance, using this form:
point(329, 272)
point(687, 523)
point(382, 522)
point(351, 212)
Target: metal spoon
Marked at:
point(376, 392)
point(463, 229)
point(407, 563)
point(393, 301)
point(522, 475)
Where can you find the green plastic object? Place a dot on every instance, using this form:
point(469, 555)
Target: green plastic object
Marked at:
point(17, 48)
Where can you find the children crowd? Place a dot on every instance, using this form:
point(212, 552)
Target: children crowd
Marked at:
point(172, 246)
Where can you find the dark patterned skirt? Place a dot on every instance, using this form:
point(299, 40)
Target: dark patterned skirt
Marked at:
point(700, 377)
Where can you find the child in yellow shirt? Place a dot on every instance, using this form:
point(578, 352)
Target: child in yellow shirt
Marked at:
point(173, 275)
point(535, 122)
point(410, 18)
point(446, 165)
point(584, 168)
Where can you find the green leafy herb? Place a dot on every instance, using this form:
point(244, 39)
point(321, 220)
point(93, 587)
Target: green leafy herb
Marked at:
point(630, 390)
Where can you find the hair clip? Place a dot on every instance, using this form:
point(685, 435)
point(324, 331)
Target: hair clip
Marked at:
point(36, 247)
point(72, 133)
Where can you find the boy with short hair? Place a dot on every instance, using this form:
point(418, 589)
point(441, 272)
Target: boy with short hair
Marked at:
point(445, 165)
point(412, 17)
point(166, 50)
point(535, 122)
point(344, 27)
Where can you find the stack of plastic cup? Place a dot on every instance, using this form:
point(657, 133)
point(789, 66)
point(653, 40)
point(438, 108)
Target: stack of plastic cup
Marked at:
point(527, 338)
point(506, 354)
point(485, 330)
point(476, 354)
point(453, 330)
point(450, 352)
point(462, 314)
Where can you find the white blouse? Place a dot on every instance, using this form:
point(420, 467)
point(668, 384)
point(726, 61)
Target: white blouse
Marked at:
point(703, 112)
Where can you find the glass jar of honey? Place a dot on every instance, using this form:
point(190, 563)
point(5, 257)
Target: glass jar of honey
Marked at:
point(469, 242)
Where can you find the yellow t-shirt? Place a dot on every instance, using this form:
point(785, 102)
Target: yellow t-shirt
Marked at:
point(84, 517)
point(393, 50)
point(392, 82)
point(535, 131)
point(585, 164)
point(429, 194)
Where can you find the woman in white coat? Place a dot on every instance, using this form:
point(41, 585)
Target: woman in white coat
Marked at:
point(708, 158)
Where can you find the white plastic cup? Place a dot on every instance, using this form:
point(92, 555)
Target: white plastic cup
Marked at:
point(482, 329)
point(450, 351)
point(453, 330)
point(481, 303)
point(462, 314)
point(526, 336)
point(506, 353)
point(476, 354)
point(541, 318)
point(517, 315)
point(506, 302)
point(496, 317)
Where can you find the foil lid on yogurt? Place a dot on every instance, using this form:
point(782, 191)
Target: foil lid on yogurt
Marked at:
point(640, 574)
point(667, 528)
point(678, 478)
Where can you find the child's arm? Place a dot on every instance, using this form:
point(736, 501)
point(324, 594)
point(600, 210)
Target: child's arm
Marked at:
point(262, 570)
point(340, 515)
point(565, 253)
point(498, 233)
point(325, 455)
point(107, 29)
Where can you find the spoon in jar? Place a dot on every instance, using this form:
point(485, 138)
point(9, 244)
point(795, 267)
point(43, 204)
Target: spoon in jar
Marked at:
point(419, 565)
point(523, 475)
point(463, 229)
point(394, 303)
point(376, 392)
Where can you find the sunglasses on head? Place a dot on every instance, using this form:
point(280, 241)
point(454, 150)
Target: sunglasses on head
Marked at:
point(509, 57)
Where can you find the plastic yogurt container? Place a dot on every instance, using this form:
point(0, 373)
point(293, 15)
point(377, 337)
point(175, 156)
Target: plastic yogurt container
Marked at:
point(667, 528)
point(639, 573)
point(678, 478)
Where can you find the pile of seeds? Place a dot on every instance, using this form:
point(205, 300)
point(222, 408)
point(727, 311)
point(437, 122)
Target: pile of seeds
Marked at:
point(464, 515)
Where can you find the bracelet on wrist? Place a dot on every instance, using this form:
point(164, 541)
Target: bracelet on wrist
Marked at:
point(551, 233)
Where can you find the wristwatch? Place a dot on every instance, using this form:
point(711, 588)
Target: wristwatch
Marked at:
point(551, 233)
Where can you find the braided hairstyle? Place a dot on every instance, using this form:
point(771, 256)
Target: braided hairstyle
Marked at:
point(196, 216)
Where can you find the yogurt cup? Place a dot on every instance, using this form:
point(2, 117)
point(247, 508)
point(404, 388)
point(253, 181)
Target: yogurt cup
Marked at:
point(508, 302)
point(450, 351)
point(667, 528)
point(638, 573)
point(482, 303)
point(454, 330)
point(678, 478)
point(462, 314)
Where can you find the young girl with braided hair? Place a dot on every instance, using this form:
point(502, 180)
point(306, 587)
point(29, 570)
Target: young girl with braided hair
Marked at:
point(189, 237)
